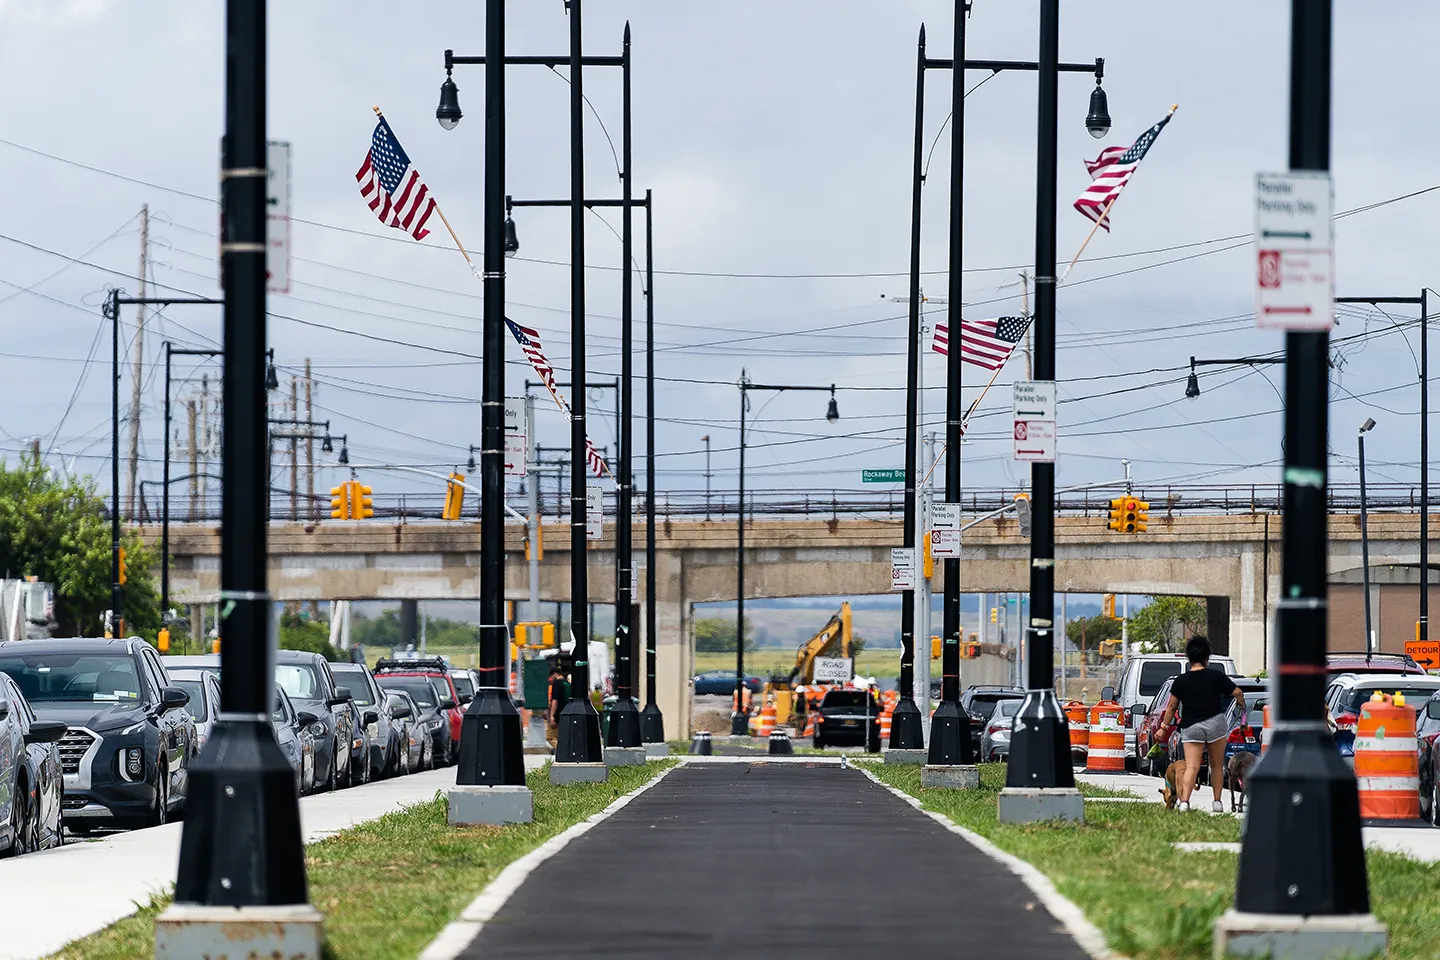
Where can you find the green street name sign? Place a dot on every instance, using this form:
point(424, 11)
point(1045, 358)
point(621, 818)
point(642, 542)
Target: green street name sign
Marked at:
point(882, 476)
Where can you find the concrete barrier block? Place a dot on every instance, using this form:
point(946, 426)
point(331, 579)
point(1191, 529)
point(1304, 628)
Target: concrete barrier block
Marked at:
point(657, 751)
point(186, 931)
point(950, 776)
point(471, 806)
point(1041, 804)
point(1285, 937)
point(563, 774)
point(624, 756)
point(907, 756)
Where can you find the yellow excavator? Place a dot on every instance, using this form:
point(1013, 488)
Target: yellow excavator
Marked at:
point(833, 640)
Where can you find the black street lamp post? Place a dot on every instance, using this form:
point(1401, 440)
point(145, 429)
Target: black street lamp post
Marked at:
point(950, 728)
point(739, 717)
point(652, 721)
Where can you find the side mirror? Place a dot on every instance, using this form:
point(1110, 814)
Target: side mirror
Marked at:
point(45, 731)
point(305, 718)
point(371, 717)
point(1107, 693)
point(342, 695)
point(4, 709)
point(399, 711)
point(1139, 710)
point(448, 704)
point(466, 697)
point(1432, 709)
point(172, 698)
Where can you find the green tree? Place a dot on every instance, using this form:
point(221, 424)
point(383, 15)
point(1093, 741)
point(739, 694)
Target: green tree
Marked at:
point(308, 635)
point(716, 635)
point(56, 530)
point(1091, 631)
point(1164, 624)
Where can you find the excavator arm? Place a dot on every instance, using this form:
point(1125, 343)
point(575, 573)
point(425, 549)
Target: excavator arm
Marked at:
point(835, 634)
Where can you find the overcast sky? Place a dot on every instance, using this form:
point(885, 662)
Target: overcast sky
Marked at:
point(777, 138)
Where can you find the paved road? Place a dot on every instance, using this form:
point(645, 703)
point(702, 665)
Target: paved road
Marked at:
point(787, 861)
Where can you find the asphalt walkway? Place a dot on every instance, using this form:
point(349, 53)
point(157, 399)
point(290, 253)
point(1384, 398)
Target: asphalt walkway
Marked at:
point(786, 861)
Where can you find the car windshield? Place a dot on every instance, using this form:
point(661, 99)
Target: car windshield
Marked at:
point(196, 689)
point(1415, 695)
point(984, 703)
point(845, 700)
point(463, 685)
point(420, 691)
point(298, 680)
point(85, 677)
point(354, 680)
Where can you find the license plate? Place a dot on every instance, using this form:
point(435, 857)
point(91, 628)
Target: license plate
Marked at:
point(849, 723)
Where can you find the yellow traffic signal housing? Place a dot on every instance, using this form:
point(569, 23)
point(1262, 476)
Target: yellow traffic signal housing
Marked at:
point(361, 504)
point(215, 646)
point(121, 574)
point(340, 502)
point(454, 497)
point(1142, 515)
point(1108, 605)
point(1129, 514)
point(162, 640)
point(994, 614)
point(535, 634)
point(1117, 515)
point(935, 648)
point(928, 566)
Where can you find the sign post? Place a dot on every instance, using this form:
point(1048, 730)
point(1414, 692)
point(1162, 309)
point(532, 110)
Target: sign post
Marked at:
point(1294, 250)
point(1034, 420)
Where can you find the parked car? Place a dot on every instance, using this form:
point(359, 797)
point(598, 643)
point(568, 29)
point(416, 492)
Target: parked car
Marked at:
point(1348, 692)
point(995, 740)
point(208, 662)
point(722, 683)
point(848, 718)
point(978, 703)
point(30, 776)
point(383, 738)
point(414, 743)
point(1360, 662)
point(311, 685)
point(203, 686)
point(1141, 679)
point(431, 726)
point(297, 740)
point(466, 683)
point(1244, 731)
point(126, 755)
point(1427, 735)
point(1148, 717)
point(437, 673)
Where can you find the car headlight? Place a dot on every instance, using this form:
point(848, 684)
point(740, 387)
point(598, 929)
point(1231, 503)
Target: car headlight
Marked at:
point(132, 763)
point(133, 728)
point(437, 723)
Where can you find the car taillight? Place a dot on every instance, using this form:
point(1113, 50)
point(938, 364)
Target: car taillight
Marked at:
point(996, 728)
point(1347, 721)
point(1241, 735)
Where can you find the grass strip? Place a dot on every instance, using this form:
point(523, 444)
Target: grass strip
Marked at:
point(1152, 901)
point(387, 887)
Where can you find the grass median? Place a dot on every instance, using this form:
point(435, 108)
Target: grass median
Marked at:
point(389, 886)
point(1151, 901)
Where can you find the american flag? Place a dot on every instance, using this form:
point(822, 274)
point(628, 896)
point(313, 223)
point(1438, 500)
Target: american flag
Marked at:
point(529, 341)
point(1110, 172)
point(985, 343)
point(390, 184)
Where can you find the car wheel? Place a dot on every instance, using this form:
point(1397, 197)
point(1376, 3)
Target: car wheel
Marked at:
point(21, 821)
point(161, 813)
point(330, 777)
point(427, 761)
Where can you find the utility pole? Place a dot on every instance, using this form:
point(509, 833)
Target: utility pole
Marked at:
point(204, 427)
point(310, 511)
point(295, 451)
point(137, 374)
point(1025, 309)
point(652, 721)
point(194, 452)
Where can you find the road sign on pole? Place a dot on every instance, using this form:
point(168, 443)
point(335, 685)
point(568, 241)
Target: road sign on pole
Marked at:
point(882, 476)
point(515, 435)
point(594, 512)
point(277, 217)
point(1033, 406)
point(902, 568)
point(1294, 250)
point(945, 531)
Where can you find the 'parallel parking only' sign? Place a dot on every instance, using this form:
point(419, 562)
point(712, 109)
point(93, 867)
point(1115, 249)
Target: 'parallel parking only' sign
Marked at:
point(1294, 251)
point(1034, 416)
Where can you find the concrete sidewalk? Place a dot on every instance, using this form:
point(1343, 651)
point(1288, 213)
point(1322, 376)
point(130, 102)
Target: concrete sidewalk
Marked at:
point(60, 895)
point(788, 861)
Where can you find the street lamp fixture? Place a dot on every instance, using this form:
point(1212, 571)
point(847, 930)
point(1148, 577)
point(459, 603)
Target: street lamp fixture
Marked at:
point(272, 380)
point(832, 413)
point(326, 446)
point(344, 458)
point(448, 113)
point(1192, 386)
point(1367, 426)
point(512, 240)
point(1097, 121)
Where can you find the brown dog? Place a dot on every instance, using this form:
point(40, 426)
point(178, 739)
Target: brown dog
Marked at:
point(1237, 771)
point(1171, 789)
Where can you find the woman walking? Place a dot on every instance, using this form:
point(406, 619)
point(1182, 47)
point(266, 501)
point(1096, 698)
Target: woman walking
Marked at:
point(1201, 696)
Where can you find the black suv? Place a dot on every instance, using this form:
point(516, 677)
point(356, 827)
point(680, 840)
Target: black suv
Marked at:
point(978, 703)
point(848, 718)
point(127, 754)
point(307, 680)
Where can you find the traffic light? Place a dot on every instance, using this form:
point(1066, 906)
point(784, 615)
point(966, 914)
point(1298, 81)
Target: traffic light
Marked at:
point(1117, 515)
point(454, 496)
point(1108, 605)
point(121, 570)
point(1142, 515)
point(360, 500)
point(935, 647)
point(928, 566)
point(340, 502)
point(1022, 512)
point(162, 640)
point(1110, 648)
point(994, 614)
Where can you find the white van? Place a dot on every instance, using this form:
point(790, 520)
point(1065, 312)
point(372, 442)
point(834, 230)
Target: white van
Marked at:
point(1142, 678)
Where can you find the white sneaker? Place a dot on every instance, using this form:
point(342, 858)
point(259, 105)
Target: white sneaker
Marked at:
point(1217, 807)
point(1183, 806)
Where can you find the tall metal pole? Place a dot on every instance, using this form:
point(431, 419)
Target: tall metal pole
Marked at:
point(532, 470)
point(624, 726)
point(1301, 852)
point(1423, 629)
point(1365, 548)
point(165, 501)
point(579, 729)
point(950, 727)
point(906, 728)
point(241, 844)
point(652, 722)
point(117, 599)
point(1040, 748)
point(739, 718)
point(491, 745)
point(706, 438)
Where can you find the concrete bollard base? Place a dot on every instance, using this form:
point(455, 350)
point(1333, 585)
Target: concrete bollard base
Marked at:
point(950, 777)
point(471, 806)
point(656, 751)
point(1286, 937)
point(563, 774)
point(1041, 804)
point(624, 756)
point(186, 931)
point(907, 756)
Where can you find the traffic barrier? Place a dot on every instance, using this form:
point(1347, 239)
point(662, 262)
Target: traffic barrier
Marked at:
point(886, 718)
point(766, 722)
point(1079, 716)
point(1265, 731)
point(1106, 752)
point(780, 744)
point(701, 746)
point(1387, 761)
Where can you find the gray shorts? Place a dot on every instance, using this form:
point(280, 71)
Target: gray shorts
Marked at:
point(1206, 731)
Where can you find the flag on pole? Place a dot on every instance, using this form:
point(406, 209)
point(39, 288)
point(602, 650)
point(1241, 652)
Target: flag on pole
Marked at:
point(392, 187)
point(985, 343)
point(529, 341)
point(1110, 172)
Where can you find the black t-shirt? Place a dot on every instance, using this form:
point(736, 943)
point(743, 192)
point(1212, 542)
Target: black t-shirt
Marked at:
point(1202, 695)
point(557, 689)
